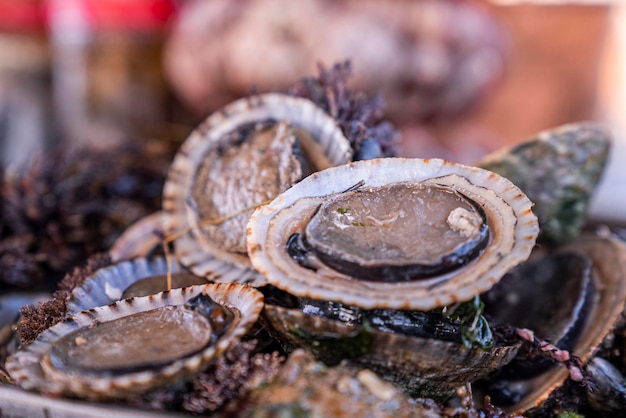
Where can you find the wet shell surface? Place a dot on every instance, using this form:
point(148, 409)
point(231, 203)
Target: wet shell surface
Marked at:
point(240, 157)
point(393, 233)
point(423, 366)
point(127, 348)
point(109, 284)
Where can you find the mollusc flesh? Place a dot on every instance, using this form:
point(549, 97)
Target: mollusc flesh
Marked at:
point(240, 157)
point(359, 256)
point(127, 348)
point(393, 233)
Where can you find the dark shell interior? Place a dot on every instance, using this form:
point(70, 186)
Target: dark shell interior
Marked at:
point(379, 233)
point(128, 344)
point(573, 297)
point(552, 296)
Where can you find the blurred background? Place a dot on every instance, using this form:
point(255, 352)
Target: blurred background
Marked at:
point(460, 78)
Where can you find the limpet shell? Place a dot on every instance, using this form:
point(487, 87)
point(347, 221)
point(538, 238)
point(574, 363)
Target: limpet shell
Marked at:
point(512, 225)
point(48, 364)
point(608, 256)
point(226, 131)
point(108, 284)
point(139, 239)
point(559, 170)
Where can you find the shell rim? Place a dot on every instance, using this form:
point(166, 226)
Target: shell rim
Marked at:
point(25, 365)
point(192, 248)
point(381, 295)
point(128, 272)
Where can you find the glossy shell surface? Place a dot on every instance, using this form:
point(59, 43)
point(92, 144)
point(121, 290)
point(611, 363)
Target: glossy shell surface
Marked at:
point(424, 367)
point(35, 367)
point(194, 247)
point(513, 230)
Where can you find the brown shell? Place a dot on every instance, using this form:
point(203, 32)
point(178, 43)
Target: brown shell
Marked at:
point(508, 212)
point(195, 249)
point(32, 368)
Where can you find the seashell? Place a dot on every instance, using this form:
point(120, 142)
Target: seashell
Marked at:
point(113, 283)
point(139, 239)
point(115, 352)
point(423, 366)
point(607, 386)
point(525, 298)
point(424, 256)
point(398, 234)
point(304, 384)
point(607, 256)
point(558, 170)
point(243, 155)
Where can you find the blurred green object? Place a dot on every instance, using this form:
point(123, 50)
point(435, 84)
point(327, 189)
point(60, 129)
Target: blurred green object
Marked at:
point(558, 170)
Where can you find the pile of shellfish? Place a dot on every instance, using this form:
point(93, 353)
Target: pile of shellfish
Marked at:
point(269, 225)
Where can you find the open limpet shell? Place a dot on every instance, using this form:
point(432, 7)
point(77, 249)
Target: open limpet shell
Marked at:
point(239, 157)
point(108, 284)
point(497, 203)
point(129, 347)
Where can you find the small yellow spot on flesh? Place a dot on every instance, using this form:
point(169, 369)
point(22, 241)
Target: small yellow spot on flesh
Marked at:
point(464, 222)
point(80, 341)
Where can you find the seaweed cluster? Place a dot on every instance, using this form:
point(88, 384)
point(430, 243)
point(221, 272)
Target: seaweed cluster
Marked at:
point(360, 117)
point(67, 205)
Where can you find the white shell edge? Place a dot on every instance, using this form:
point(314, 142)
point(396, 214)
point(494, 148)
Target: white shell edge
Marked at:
point(418, 295)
